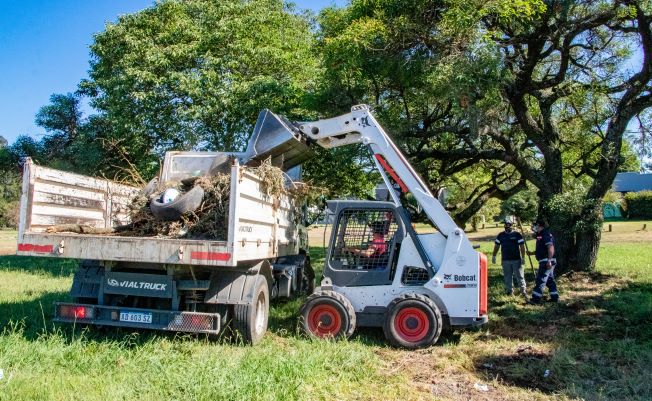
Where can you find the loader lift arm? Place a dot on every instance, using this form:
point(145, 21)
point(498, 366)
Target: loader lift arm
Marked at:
point(360, 126)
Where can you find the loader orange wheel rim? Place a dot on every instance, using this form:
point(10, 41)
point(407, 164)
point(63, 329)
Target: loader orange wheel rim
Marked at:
point(412, 324)
point(324, 321)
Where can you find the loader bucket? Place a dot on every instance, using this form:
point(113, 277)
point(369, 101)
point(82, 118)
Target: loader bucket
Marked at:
point(274, 136)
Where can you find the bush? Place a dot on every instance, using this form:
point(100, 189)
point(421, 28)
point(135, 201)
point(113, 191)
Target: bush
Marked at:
point(9, 214)
point(570, 212)
point(639, 205)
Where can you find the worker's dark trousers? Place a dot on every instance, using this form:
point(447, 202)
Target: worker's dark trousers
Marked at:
point(545, 277)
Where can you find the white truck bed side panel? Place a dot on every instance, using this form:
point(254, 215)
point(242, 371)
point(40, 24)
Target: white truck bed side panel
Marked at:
point(54, 197)
point(259, 226)
point(265, 228)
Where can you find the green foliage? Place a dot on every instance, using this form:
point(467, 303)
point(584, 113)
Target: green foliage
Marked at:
point(194, 74)
point(344, 172)
point(612, 196)
point(523, 205)
point(571, 212)
point(639, 204)
point(72, 142)
point(10, 184)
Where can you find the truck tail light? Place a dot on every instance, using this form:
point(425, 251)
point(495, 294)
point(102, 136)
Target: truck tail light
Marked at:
point(482, 302)
point(76, 312)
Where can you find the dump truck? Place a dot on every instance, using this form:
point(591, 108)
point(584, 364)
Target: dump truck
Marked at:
point(175, 284)
point(378, 270)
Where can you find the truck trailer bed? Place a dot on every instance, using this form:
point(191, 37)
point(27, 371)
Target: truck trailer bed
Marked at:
point(260, 226)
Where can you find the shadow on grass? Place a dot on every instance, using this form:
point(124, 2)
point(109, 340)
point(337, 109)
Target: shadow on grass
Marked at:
point(600, 336)
point(28, 264)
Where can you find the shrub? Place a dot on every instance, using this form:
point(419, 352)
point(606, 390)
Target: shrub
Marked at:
point(639, 204)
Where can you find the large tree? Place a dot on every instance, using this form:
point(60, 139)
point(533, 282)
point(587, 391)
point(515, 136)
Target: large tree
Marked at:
point(537, 91)
point(194, 74)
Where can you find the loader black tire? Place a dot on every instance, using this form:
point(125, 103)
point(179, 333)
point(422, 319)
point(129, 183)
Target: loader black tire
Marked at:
point(188, 202)
point(328, 314)
point(250, 321)
point(412, 321)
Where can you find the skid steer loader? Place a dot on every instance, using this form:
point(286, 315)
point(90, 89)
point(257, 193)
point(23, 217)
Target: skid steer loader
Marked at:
point(378, 271)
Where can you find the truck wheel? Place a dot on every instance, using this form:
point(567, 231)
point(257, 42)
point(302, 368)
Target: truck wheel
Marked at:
point(412, 321)
point(187, 202)
point(250, 321)
point(328, 314)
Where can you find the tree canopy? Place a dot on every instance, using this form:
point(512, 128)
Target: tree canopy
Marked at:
point(486, 97)
point(194, 74)
point(505, 93)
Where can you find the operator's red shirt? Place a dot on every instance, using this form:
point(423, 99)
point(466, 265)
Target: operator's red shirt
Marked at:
point(379, 245)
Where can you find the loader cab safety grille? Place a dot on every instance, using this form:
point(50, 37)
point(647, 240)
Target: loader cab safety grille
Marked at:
point(365, 239)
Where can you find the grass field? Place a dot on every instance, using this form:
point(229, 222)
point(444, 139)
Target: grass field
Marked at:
point(597, 344)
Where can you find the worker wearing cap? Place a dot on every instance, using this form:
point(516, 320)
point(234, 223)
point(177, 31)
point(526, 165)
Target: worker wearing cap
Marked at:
point(545, 254)
point(512, 248)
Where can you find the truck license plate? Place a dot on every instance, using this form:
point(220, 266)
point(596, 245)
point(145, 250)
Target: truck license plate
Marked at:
point(136, 317)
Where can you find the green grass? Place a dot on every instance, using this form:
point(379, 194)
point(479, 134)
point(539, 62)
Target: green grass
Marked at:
point(597, 345)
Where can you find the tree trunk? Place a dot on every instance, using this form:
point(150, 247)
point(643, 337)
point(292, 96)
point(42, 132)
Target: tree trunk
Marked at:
point(588, 243)
point(576, 245)
point(588, 238)
point(565, 249)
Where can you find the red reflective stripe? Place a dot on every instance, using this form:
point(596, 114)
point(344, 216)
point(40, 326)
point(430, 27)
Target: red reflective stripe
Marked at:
point(222, 256)
point(35, 248)
point(454, 285)
point(483, 285)
point(391, 172)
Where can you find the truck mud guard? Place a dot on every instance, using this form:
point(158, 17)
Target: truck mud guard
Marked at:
point(237, 287)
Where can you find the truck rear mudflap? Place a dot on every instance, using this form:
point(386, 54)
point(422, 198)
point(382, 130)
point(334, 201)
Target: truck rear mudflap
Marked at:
point(190, 322)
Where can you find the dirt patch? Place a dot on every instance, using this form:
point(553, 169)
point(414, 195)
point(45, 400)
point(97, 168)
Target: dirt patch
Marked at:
point(514, 368)
point(440, 373)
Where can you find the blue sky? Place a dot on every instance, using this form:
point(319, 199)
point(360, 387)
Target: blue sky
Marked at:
point(44, 50)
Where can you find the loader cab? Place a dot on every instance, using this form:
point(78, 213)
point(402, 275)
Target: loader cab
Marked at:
point(364, 243)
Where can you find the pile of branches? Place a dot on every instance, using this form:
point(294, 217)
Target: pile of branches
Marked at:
point(208, 221)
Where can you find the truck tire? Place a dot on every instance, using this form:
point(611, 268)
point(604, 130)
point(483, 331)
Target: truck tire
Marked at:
point(188, 202)
point(328, 314)
point(250, 321)
point(412, 321)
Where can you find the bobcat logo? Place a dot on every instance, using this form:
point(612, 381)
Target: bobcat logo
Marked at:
point(447, 276)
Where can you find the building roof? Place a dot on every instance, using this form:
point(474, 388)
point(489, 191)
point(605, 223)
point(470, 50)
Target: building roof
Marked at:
point(632, 182)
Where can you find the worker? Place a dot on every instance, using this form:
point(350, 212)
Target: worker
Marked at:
point(375, 255)
point(512, 246)
point(545, 254)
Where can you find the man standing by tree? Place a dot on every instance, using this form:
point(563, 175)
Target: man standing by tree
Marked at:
point(545, 254)
point(512, 260)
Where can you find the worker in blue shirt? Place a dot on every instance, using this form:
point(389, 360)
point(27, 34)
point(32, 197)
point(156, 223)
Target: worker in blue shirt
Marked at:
point(512, 248)
point(545, 254)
